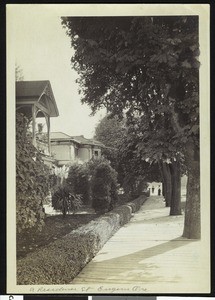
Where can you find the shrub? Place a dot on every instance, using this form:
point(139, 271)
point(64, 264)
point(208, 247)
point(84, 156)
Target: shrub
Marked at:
point(124, 212)
point(104, 186)
point(78, 181)
point(134, 185)
point(73, 251)
point(63, 199)
point(59, 262)
point(32, 179)
point(54, 181)
point(101, 195)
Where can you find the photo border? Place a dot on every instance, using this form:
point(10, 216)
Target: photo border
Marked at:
point(204, 119)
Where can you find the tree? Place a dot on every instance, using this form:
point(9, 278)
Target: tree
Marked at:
point(146, 66)
point(110, 131)
point(104, 185)
point(19, 73)
point(64, 194)
point(134, 168)
point(78, 181)
point(65, 200)
point(133, 172)
point(154, 143)
point(135, 137)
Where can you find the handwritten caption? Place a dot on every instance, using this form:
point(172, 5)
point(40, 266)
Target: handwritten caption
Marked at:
point(89, 289)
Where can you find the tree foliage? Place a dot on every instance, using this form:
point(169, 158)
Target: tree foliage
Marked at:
point(141, 64)
point(32, 179)
point(64, 200)
point(78, 181)
point(104, 185)
point(133, 171)
point(110, 131)
point(148, 67)
point(19, 73)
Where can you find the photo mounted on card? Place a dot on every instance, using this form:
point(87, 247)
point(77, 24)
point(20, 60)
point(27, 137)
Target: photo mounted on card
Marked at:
point(108, 149)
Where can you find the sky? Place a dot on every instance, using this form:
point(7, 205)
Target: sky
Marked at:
point(42, 49)
point(43, 52)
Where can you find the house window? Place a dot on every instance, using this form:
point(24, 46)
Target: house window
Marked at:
point(76, 152)
point(96, 153)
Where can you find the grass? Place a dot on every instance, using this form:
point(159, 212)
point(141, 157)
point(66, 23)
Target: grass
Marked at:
point(60, 261)
point(55, 227)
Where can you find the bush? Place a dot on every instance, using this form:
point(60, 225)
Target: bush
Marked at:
point(59, 262)
point(134, 185)
point(137, 203)
point(101, 195)
point(124, 212)
point(104, 186)
point(62, 260)
point(32, 179)
point(54, 182)
point(78, 181)
point(63, 199)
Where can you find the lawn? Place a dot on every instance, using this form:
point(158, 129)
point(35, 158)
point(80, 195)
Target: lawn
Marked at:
point(55, 227)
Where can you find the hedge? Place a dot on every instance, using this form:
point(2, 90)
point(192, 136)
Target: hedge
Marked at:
point(62, 260)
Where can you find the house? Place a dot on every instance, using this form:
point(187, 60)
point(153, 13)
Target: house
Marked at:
point(35, 99)
point(155, 188)
point(68, 149)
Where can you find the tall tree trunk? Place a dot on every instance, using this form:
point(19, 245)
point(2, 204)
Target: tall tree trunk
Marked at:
point(164, 188)
point(64, 208)
point(192, 223)
point(175, 208)
point(163, 179)
point(168, 183)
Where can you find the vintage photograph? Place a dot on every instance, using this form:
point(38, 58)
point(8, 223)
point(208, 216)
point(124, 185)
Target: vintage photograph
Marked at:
point(108, 130)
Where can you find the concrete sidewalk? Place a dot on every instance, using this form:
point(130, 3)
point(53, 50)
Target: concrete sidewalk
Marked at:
point(149, 252)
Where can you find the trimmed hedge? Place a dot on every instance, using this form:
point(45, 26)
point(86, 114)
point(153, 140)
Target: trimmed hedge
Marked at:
point(137, 203)
point(57, 262)
point(62, 260)
point(124, 212)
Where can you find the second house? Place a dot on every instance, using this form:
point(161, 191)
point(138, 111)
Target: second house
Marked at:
point(68, 149)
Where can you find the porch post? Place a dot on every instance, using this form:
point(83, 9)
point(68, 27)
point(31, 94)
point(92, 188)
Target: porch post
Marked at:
point(48, 127)
point(33, 125)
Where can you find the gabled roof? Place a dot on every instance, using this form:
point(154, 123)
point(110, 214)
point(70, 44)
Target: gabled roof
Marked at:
point(30, 88)
point(59, 135)
point(80, 139)
point(34, 90)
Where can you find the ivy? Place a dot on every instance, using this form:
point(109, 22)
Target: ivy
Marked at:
point(32, 179)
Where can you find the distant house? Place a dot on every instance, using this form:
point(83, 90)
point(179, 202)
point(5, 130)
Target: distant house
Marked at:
point(35, 99)
point(154, 187)
point(68, 149)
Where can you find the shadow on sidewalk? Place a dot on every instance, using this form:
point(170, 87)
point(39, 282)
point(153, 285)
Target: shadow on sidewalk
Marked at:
point(133, 264)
